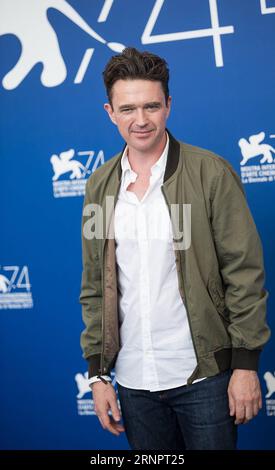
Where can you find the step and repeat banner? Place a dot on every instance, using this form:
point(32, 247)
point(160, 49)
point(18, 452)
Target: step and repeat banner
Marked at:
point(55, 133)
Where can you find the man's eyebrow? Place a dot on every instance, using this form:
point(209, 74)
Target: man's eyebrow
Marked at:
point(126, 106)
point(150, 103)
point(153, 103)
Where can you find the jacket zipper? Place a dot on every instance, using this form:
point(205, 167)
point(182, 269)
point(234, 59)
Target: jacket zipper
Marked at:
point(192, 376)
point(101, 371)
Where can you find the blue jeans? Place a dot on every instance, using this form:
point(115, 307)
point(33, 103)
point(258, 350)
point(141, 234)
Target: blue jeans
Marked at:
point(189, 417)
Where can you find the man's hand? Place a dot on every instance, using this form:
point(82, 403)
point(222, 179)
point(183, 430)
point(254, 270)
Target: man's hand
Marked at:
point(105, 398)
point(245, 398)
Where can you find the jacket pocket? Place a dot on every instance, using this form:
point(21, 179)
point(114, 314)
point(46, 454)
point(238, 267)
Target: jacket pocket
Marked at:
point(216, 293)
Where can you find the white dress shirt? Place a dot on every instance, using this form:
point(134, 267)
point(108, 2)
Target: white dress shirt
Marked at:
point(156, 347)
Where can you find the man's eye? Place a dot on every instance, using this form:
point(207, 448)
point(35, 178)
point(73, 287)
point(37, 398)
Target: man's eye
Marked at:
point(152, 106)
point(126, 110)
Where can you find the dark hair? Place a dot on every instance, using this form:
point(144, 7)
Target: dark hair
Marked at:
point(132, 64)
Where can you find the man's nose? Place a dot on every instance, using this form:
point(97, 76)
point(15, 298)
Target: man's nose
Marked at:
point(141, 118)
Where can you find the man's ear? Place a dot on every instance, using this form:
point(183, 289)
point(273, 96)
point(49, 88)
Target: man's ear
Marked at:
point(110, 112)
point(168, 106)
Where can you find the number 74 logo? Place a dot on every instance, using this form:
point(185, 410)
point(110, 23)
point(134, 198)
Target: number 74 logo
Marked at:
point(19, 279)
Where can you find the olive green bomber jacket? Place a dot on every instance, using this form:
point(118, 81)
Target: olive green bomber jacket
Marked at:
point(220, 276)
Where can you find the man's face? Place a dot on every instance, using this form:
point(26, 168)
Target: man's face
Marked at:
point(140, 112)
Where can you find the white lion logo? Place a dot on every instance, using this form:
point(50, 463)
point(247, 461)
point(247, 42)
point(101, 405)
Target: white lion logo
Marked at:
point(64, 164)
point(27, 19)
point(82, 384)
point(270, 383)
point(254, 148)
point(4, 282)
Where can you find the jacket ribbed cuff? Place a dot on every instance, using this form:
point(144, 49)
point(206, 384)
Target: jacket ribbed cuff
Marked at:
point(245, 359)
point(94, 365)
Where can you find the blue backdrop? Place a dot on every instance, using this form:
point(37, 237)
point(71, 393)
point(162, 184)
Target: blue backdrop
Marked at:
point(55, 132)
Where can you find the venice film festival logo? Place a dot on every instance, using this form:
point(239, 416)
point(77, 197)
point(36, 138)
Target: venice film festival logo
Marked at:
point(258, 159)
point(85, 406)
point(71, 174)
point(270, 385)
point(27, 20)
point(15, 287)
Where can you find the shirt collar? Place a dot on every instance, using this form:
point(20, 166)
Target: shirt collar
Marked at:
point(158, 167)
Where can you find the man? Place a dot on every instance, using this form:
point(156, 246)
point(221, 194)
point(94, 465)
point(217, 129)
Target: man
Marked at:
point(180, 314)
